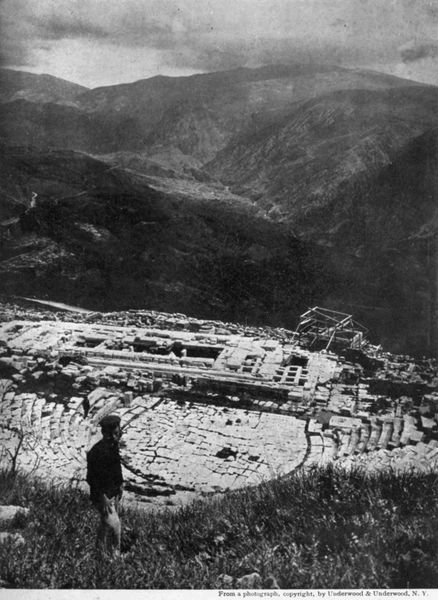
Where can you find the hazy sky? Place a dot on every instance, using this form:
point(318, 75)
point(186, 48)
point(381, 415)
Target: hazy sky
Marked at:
point(102, 42)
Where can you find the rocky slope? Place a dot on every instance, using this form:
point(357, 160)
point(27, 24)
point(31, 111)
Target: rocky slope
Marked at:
point(301, 163)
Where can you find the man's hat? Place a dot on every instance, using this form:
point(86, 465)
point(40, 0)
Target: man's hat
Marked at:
point(109, 421)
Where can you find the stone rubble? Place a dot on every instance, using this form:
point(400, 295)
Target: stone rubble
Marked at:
point(12, 516)
point(10, 512)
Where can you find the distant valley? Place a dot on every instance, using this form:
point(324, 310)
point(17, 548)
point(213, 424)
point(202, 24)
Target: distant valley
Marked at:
point(245, 194)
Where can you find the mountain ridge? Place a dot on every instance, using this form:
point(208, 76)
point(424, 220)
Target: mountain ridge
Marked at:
point(145, 114)
point(38, 88)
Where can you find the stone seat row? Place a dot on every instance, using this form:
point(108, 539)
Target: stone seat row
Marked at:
point(55, 434)
point(421, 457)
point(393, 439)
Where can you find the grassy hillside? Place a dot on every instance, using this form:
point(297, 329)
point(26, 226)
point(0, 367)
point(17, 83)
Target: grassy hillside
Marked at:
point(323, 529)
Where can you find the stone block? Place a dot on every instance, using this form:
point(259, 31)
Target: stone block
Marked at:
point(14, 538)
point(9, 512)
point(98, 394)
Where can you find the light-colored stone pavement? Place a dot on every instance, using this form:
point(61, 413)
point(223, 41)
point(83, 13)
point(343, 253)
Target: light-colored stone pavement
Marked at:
point(209, 448)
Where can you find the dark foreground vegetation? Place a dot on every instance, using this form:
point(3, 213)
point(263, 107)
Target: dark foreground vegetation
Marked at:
point(323, 529)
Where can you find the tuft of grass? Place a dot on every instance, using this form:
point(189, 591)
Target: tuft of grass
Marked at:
point(324, 528)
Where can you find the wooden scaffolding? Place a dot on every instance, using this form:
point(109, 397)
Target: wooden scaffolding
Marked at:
point(324, 329)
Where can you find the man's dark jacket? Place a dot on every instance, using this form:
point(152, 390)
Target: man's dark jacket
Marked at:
point(104, 471)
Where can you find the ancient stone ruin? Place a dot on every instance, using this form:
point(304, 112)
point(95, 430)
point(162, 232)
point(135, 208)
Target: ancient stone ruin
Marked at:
point(206, 406)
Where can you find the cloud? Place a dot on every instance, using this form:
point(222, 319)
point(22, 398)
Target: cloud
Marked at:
point(131, 28)
point(29, 27)
point(431, 11)
point(200, 35)
point(418, 51)
point(12, 50)
point(58, 27)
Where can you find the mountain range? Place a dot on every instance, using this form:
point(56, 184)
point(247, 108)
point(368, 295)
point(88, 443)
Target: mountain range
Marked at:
point(245, 194)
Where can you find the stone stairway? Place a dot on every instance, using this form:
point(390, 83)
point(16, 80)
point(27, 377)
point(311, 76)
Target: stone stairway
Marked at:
point(48, 443)
point(364, 436)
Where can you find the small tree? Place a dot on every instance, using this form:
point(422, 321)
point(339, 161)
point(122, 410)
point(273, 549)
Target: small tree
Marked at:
point(26, 440)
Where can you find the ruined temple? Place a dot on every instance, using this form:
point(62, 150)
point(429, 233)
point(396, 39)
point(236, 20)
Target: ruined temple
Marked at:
point(208, 406)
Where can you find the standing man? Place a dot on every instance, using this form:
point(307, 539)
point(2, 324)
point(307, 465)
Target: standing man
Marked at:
point(104, 476)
